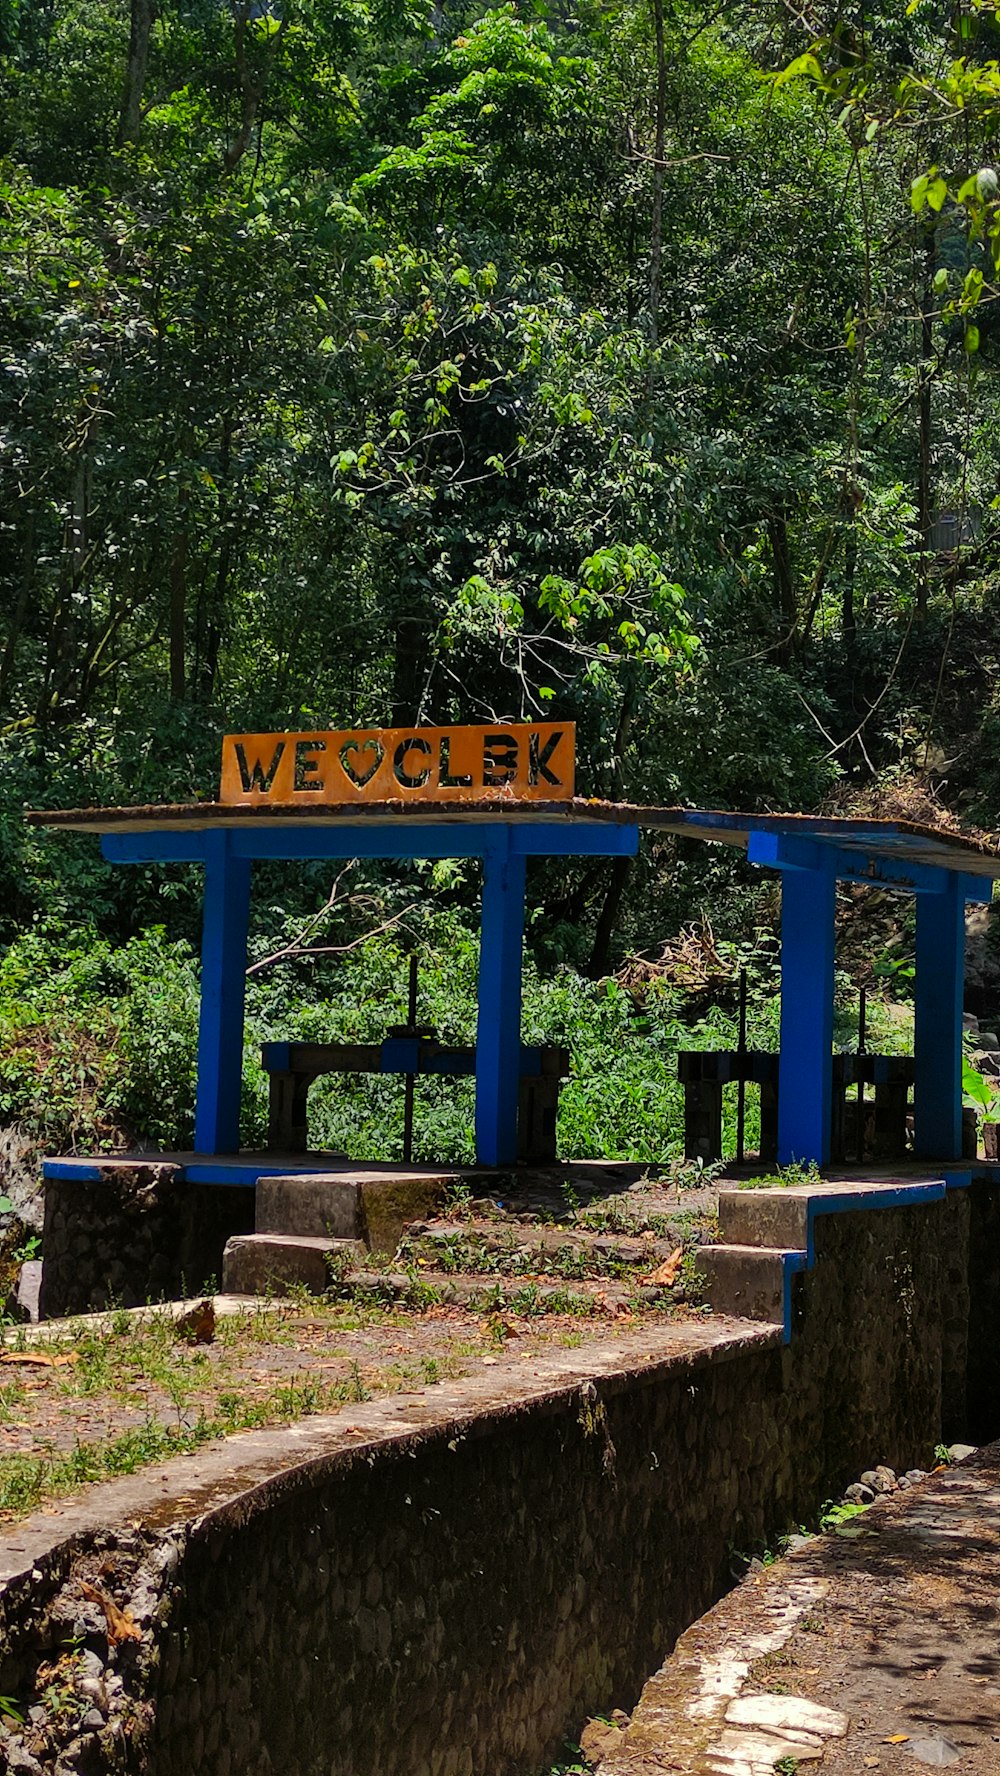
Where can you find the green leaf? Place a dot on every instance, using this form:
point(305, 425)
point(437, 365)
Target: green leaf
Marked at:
point(803, 67)
point(972, 339)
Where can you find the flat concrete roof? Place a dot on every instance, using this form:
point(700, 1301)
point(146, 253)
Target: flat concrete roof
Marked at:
point(200, 816)
point(906, 841)
point(903, 840)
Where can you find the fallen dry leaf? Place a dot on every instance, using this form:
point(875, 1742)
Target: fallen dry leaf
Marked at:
point(897, 1739)
point(665, 1275)
point(121, 1625)
point(197, 1326)
point(41, 1359)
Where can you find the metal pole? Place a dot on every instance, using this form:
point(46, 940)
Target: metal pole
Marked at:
point(741, 1084)
point(408, 1084)
point(862, 1009)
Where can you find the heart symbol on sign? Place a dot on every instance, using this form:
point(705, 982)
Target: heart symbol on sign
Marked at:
point(360, 778)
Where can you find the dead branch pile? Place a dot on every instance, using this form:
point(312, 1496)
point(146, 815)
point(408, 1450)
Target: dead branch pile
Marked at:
point(689, 962)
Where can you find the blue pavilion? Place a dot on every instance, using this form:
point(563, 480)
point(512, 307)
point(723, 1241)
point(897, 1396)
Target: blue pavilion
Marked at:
point(944, 870)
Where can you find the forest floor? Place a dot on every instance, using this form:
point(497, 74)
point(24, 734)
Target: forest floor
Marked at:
point(487, 1284)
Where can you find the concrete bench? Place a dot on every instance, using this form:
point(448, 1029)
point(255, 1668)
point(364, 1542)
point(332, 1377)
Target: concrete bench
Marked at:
point(884, 1132)
point(703, 1073)
point(293, 1067)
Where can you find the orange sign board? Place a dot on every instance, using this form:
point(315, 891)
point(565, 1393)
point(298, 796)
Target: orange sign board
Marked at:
point(516, 763)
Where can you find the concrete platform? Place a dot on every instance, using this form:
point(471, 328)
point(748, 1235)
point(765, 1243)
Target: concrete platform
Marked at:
point(768, 1234)
point(215, 1168)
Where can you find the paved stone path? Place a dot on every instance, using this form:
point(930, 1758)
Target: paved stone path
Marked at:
point(874, 1649)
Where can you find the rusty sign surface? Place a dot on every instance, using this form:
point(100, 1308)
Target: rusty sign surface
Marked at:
point(520, 762)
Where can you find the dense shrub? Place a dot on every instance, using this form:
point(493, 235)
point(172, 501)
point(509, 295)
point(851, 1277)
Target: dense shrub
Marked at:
point(98, 1044)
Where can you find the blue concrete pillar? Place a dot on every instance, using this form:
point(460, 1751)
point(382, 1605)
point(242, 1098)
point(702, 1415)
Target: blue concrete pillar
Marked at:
point(937, 1044)
point(223, 985)
point(498, 1032)
point(805, 1078)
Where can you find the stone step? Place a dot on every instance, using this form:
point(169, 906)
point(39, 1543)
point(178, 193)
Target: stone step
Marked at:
point(745, 1281)
point(516, 1245)
point(310, 1203)
point(776, 1218)
point(272, 1263)
point(373, 1206)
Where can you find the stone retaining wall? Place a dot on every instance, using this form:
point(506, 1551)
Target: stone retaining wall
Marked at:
point(445, 1586)
point(140, 1232)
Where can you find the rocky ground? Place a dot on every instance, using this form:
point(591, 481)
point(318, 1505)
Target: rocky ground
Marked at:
point(871, 1646)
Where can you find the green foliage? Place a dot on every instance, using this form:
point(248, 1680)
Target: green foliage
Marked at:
point(977, 1092)
point(367, 362)
point(835, 1516)
point(98, 1042)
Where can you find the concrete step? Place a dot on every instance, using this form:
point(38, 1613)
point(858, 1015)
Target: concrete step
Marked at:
point(776, 1218)
point(313, 1204)
point(745, 1281)
point(271, 1263)
point(373, 1206)
point(516, 1246)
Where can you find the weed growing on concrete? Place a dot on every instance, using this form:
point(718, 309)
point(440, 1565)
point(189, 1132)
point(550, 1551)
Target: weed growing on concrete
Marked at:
point(12, 1398)
point(784, 1177)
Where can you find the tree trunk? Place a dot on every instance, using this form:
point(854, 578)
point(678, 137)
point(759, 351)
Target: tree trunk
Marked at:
point(925, 519)
point(252, 89)
point(409, 656)
point(784, 583)
point(600, 955)
point(178, 614)
point(135, 70)
point(656, 219)
point(849, 621)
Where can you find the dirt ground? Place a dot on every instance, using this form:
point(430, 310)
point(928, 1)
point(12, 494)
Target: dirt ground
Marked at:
point(887, 1628)
point(487, 1285)
point(907, 1640)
